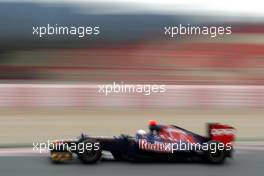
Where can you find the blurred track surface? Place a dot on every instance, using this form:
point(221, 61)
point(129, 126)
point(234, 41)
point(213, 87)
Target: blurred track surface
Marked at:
point(244, 163)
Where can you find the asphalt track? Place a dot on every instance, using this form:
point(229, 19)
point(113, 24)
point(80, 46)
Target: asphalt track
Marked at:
point(245, 163)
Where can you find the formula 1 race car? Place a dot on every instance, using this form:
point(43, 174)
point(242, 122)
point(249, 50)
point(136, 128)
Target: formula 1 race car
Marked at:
point(161, 143)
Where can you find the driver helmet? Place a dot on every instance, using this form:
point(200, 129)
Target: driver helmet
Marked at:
point(141, 133)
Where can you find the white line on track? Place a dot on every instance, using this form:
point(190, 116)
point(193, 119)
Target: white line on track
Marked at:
point(21, 152)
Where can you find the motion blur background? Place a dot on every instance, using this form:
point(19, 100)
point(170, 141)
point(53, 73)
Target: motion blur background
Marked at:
point(48, 86)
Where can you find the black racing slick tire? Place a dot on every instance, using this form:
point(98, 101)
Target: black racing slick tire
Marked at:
point(91, 155)
point(215, 156)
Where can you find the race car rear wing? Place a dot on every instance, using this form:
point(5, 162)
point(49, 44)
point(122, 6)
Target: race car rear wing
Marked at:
point(221, 133)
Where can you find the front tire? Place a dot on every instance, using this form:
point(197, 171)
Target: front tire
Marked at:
point(90, 156)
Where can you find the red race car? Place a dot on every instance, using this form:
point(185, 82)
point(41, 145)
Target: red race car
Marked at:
point(161, 143)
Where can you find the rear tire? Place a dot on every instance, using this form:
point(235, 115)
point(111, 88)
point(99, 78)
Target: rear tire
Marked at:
point(90, 156)
point(215, 156)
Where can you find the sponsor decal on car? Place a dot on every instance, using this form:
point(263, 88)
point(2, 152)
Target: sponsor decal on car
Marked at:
point(155, 146)
point(220, 132)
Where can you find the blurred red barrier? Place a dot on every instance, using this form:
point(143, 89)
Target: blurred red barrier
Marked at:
point(176, 96)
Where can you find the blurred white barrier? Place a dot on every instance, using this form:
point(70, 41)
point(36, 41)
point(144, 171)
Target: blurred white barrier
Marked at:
point(196, 96)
